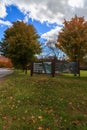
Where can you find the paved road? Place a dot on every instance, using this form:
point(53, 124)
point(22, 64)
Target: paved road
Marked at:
point(4, 72)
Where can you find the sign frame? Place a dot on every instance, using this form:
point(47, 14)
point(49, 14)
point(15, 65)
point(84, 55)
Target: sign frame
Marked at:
point(39, 67)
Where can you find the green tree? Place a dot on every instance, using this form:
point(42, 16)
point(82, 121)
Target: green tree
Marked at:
point(20, 44)
point(72, 39)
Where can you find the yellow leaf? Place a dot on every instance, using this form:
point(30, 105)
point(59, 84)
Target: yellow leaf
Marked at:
point(40, 128)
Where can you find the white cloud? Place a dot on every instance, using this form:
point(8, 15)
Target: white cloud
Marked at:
point(7, 23)
point(2, 9)
point(47, 10)
point(52, 35)
point(76, 3)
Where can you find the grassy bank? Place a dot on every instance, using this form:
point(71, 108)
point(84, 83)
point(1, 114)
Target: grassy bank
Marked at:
point(43, 103)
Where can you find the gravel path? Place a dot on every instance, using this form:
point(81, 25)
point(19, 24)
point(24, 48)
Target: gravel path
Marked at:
point(4, 72)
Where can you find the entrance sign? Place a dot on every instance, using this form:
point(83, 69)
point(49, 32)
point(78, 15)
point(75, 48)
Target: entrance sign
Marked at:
point(54, 67)
point(42, 67)
point(37, 68)
point(66, 67)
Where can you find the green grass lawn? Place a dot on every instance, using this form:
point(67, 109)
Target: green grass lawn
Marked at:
point(43, 103)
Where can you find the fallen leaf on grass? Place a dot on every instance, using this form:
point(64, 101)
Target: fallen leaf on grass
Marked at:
point(18, 101)
point(40, 128)
point(33, 119)
point(40, 118)
point(25, 111)
point(76, 122)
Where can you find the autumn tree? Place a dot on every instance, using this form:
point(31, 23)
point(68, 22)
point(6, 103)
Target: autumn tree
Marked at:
point(20, 43)
point(72, 39)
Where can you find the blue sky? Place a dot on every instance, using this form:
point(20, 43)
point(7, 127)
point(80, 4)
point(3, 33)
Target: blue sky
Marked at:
point(47, 16)
point(15, 14)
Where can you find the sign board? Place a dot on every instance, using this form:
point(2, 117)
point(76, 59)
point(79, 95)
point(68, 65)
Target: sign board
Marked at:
point(42, 67)
point(54, 67)
point(66, 67)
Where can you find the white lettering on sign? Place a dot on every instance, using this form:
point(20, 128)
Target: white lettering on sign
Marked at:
point(38, 67)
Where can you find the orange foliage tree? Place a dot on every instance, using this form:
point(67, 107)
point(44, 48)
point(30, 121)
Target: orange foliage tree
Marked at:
point(5, 62)
point(72, 39)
